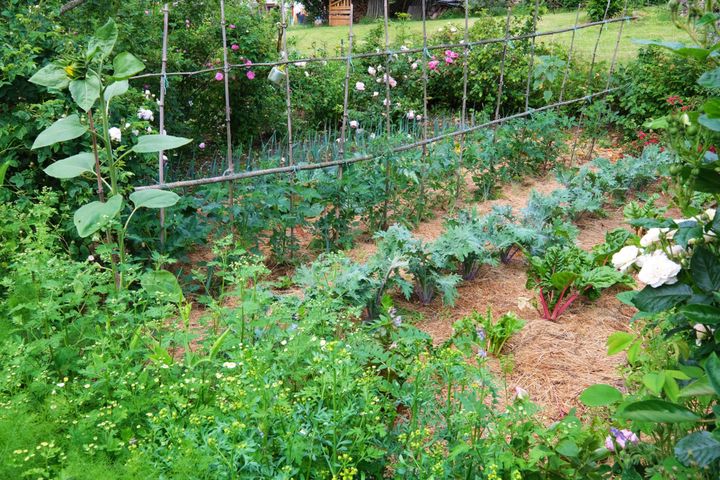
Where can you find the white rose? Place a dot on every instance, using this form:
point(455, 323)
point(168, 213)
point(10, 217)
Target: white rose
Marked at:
point(659, 270)
point(414, 66)
point(354, 124)
point(115, 134)
point(653, 236)
point(676, 251)
point(710, 213)
point(360, 86)
point(375, 94)
point(625, 257)
point(372, 71)
point(411, 115)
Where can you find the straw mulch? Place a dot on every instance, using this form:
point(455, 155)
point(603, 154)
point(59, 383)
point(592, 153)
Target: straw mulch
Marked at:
point(553, 361)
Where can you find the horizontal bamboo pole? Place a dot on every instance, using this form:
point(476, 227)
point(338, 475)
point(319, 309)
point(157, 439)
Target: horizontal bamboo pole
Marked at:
point(389, 52)
point(334, 163)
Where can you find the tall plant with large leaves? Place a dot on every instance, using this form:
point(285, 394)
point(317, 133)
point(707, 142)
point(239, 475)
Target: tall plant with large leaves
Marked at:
point(680, 405)
point(94, 78)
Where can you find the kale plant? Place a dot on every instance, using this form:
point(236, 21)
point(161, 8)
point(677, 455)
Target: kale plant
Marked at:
point(428, 278)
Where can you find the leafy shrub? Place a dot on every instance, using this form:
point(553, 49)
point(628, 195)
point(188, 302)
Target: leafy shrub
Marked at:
point(649, 81)
point(598, 10)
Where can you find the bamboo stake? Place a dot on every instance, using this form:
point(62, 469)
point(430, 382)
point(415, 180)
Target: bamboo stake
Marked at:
point(532, 57)
point(387, 113)
point(463, 116)
point(161, 108)
point(421, 208)
point(589, 82)
point(610, 72)
point(228, 126)
point(348, 69)
point(570, 53)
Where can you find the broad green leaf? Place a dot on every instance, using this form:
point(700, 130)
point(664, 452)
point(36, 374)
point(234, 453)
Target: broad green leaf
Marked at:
point(601, 277)
point(627, 297)
point(3, 170)
point(567, 448)
point(619, 341)
point(103, 41)
point(705, 270)
point(600, 395)
point(657, 411)
point(90, 218)
point(712, 107)
point(707, 181)
point(687, 232)
point(125, 65)
point(699, 313)
point(85, 92)
point(699, 449)
point(154, 198)
point(64, 129)
point(162, 282)
point(710, 79)
point(72, 167)
point(679, 48)
point(51, 75)
point(657, 124)
point(709, 123)
point(697, 388)
point(560, 280)
point(654, 381)
point(712, 367)
point(115, 89)
point(158, 143)
point(654, 300)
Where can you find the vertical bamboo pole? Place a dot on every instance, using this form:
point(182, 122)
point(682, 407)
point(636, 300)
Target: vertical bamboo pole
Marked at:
point(343, 129)
point(387, 112)
point(463, 116)
point(590, 76)
point(501, 83)
point(161, 108)
point(425, 58)
point(611, 71)
point(288, 105)
point(228, 126)
point(570, 53)
point(531, 64)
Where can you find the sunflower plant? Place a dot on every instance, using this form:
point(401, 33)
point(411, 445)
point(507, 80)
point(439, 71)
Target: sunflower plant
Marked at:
point(94, 78)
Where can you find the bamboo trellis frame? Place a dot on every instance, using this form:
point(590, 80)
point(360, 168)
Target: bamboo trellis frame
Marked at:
point(292, 167)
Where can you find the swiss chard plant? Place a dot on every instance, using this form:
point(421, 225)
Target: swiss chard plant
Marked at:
point(94, 77)
point(564, 274)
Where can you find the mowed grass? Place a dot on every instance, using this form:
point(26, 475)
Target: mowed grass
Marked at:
point(652, 24)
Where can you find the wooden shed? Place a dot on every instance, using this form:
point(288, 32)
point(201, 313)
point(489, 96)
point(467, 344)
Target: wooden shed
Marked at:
point(339, 12)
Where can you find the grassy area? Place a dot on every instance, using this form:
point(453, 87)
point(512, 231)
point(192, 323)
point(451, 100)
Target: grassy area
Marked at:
point(653, 23)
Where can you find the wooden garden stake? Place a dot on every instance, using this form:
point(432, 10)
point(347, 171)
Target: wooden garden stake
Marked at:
point(228, 126)
point(161, 109)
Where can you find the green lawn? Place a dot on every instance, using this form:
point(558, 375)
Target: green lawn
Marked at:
point(653, 23)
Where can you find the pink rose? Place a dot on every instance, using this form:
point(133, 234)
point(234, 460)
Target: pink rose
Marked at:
point(235, 47)
point(219, 76)
point(433, 64)
point(250, 75)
